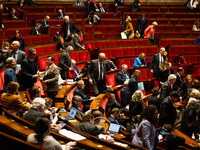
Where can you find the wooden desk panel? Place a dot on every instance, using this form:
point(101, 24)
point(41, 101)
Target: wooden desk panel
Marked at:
point(65, 90)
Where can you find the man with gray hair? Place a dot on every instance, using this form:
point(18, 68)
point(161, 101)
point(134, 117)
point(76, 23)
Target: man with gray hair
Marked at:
point(189, 117)
point(122, 75)
point(97, 74)
point(37, 110)
point(69, 29)
point(77, 74)
point(29, 69)
point(36, 29)
point(65, 62)
point(167, 87)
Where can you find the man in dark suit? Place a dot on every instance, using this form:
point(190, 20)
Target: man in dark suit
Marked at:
point(19, 55)
point(68, 28)
point(87, 125)
point(36, 29)
point(156, 62)
point(142, 24)
point(111, 100)
point(110, 66)
point(102, 8)
point(60, 14)
point(97, 74)
point(78, 3)
point(1, 22)
point(179, 78)
point(168, 110)
point(89, 6)
point(77, 75)
point(51, 77)
point(86, 100)
point(119, 3)
point(65, 62)
point(122, 75)
point(29, 69)
point(167, 87)
point(45, 24)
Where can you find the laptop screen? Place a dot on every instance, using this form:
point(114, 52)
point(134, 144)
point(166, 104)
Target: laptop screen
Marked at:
point(114, 127)
point(72, 112)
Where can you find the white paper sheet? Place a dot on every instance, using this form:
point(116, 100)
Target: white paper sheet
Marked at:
point(123, 35)
point(71, 135)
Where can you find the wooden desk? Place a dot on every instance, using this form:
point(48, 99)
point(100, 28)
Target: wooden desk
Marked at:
point(96, 104)
point(70, 122)
point(65, 90)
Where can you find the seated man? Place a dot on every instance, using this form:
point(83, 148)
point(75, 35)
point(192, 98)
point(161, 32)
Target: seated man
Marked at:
point(111, 100)
point(93, 19)
point(77, 74)
point(102, 8)
point(122, 75)
point(86, 100)
point(45, 24)
point(60, 14)
point(122, 93)
point(36, 29)
point(87, 125)
point(110, 66)
point(97, 117)
point(78, 3)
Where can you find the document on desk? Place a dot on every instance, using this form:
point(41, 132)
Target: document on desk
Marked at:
point(71, 135)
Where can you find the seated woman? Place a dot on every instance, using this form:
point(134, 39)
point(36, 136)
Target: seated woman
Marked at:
point(12, 102)
point(61, 46)
point(129, 28)
point(135, 106)
point(140, 61)
point(92, 18)
point(195, 26)
point(77, 41)
point(154, 99)
point(145, 133)
point(187, 85)
point(12, 15)
point(17, 37)
point(42, 137)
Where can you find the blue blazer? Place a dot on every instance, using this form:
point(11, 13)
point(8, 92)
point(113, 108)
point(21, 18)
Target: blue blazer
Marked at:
point(9, 75)
point(138, 63)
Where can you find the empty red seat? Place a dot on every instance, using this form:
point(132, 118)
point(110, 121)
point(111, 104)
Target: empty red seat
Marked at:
point(189, 59)
point(143, 42)
point(88, 28)
point(57, 57)
point(28, 40)
point(110, 80)
point(36, 39)
point(109, 35)
point(48, 49)
point(100, 44)
point(74, 56)
point(177, 41)
point(40, 50)
point(46, 38)
point(87, 36)
point(189, 49)
point(90, 45)
point(190, 41)
point(98, 35)
point(121, 43)
point(84, 56)
point(132, 42)
point(117, 52)
point(120, 62)
point(80, 67)
point(196, 70)
point(42, 63)
point(128, 51)
point(111, 43)
point(139, 50)
point(151, 50)
point(143, 76)
point(108, 53)
point(176, 50)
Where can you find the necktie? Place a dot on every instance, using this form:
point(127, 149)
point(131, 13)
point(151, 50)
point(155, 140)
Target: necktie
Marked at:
point(14, 55)
point(171, 86)
point(161, 60)
point(101, 71)
point(102, 10)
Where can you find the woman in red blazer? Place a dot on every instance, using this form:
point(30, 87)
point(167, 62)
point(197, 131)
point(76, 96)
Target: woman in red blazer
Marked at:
point(150, 31)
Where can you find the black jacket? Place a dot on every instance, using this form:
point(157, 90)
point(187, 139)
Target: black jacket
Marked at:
point(121, 77)
point(33, 31)
point(154, 64)
point(65, 29)
point(141, 25)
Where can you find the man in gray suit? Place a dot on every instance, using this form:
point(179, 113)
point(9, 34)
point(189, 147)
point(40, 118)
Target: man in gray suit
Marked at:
point(78, 3)
point(97, 74)
point(19, 55)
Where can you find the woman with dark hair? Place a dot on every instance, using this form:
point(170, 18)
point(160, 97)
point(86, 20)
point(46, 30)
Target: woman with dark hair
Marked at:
point(77, 41)
point(12, 15)
point(42, 137)
point(145, 133)
point(61, 46)
point(154, 99)
point(85, 69)
point(17, 37)
point(186, 87)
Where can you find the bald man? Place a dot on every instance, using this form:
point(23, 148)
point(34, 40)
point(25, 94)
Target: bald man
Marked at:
point(45, 24)
point(97, 74)
point(60, 14)
point(15, 52)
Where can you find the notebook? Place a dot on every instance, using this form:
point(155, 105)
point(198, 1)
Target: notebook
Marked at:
point(71, 115)
point(114, 128)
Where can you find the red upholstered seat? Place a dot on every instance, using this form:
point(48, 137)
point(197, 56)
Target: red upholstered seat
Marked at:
point(40, 50)
point(198, 58)
point(88, 29)
point(143, 42)
point(109, 35)
point(99, 28)
point(87, 36)
point(84, 56)
point(48, 49)
point(185, 34)
point(38, 83)
point(110, 80)
point(148, 59)
point(2, 76)
point(195, 34)
point(198, 49)
point(151, 50)
point(175, 68)
point(137, 51)
point(172, 58)
point(165, 42)
point(132, 61)
point(191, 49)
point(36, 39)
point(74, 56)
point(1, 33)
point(90, 45)
point(179, 27)
point(123, 61)
point(121, 43)
point(100, 44)
point(57, 57)
point(177, 42)
point(108, 53)
point(98, 35)
point(110, 44)
point(176, 50)
point(128, 51)
point(143, 75)
point(111, 28)
point(80, 67)
point(119, 96)
point(42, 62)
point(149, 74)
point(196, 70)
point(132, 43)
point(46, 38)
point(190, 41)
point(117, 52)
point(189, 59)
point(28, 40)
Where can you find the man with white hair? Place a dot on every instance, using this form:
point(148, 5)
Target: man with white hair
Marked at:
point(65, 62)
point(189, 117)
point(122, 75)
point(167, 87)
point(69, 29)
point(37, 110)
point(60, 14)
point(97, 74)
point(45, 24)
point(77, 75)
point(156, 61)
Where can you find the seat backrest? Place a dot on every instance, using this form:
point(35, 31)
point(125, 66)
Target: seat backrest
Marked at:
point(84, 56)
point(42, 63)
point(110, 80)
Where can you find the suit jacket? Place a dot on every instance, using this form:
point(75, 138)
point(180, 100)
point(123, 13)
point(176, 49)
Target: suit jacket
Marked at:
point(52, 82)
point(165, 90)
point(103, 8)
point(89, 7)
point(10, 17)
point(179, 81)
point(21, 41)
point(167, 112)
point(65, 29)
point(20, 57)
point(43, 25)
point(64, 46)
point(154, 100)
point(141, 25)
point(135, 6)
point(119, 2)
point(28, 69)
point(110, 65)
point(112, 119)
point(88, 128)
point(58, 16)
point(154, 64)
point(1, 20)
point(9, 75)
point(93, 71)
point(75, 42)
point(138, 63)
point(64, 63)
point(78, 4)
point(33, 31)
point(32, 115)
point(121, 77)
point(135, 108)
point(13, 103)
point(174, 140)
